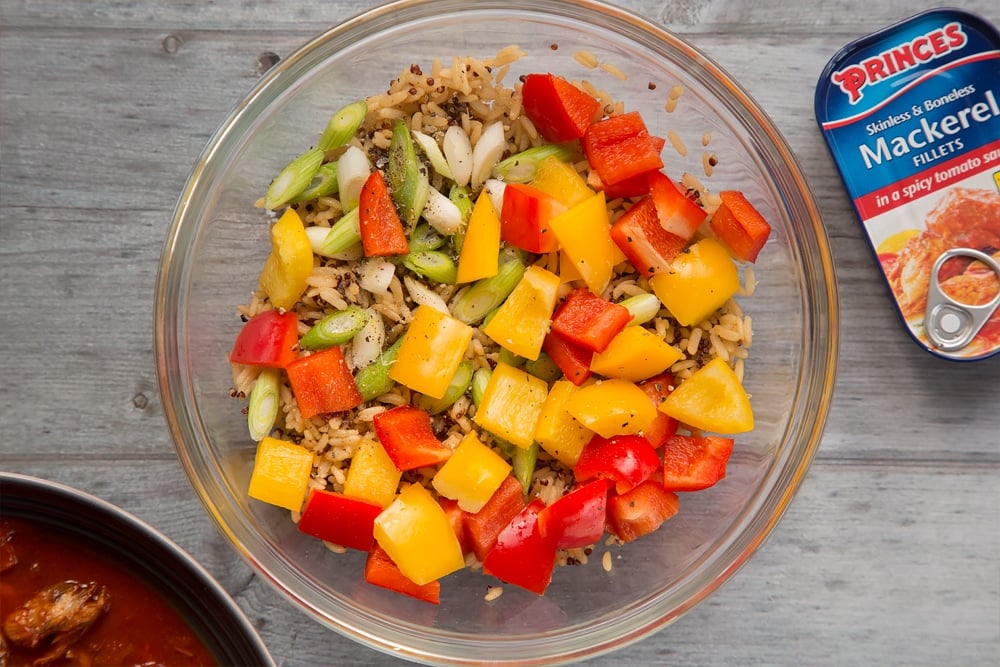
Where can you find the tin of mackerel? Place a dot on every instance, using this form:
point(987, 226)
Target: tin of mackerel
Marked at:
point(911, 115)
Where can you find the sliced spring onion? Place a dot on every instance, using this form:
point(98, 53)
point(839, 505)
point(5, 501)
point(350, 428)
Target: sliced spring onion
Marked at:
point(425, 296)
point(458, 152)
point(335, 329)
point(433, 265)
point(494, 187)
point(373, 380)
point(353, 170)
point(366, 346)
point(459, 384)
point(523, 461)
point(459, 196)
point(343, 125)
point(509, 358)
point(262, 411)
point(293, 179)
point(345, 233)
point(408, 180)
point(324, 183)
point(543, 367)
point(480, 379)
point(375, 275)
point(442, 213)
point(521, 167)
point(425, 237)
point(472, 305)
point(487, 152)
point(644, 307)
point(434, 154)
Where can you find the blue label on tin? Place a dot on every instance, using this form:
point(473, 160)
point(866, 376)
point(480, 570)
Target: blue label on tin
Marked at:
point(912, 117)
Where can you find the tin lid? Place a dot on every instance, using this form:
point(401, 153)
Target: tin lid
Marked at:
point(911, 115)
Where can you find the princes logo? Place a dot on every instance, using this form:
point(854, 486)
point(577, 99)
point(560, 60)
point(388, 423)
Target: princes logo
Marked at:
point(853, 79)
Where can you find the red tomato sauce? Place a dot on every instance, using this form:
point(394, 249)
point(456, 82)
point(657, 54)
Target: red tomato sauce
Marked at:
point(140, 628)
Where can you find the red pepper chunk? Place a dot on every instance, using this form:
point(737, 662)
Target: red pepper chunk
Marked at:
point(322, 382)
point(572, 359)
point(269, 339)
point(524, 218)
point(627, 460)
point(381, 570)
point(621, 147)
point(559, 110)
point(664, 426)
point(522, 556)
point(647, 245)
point(483, 527)
point(640, 511)
point(693, 463)
point(576, 519)
point(678, 214)
point(334, 517)
point(406, 434)
point(456, 517)
point(382, 232)
point(588, 320)
point(740, 226)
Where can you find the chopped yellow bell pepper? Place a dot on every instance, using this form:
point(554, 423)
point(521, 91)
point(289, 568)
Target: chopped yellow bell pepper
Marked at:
point(472, 474)
point(712, 399)
point(584, 235)
point(434, 346)
point(698, 282)
point(511, 405)
point(612, 407)
point(480, 254)
point(281, 473)
point(557, 431)
point(417, 535)
point(635, 354)
point(567, 269)
point(522, 321)
point(290, 263)
point(562, 181)
point(372, 475)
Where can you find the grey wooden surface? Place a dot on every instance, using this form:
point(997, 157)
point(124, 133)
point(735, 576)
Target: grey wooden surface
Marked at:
point(890, 553)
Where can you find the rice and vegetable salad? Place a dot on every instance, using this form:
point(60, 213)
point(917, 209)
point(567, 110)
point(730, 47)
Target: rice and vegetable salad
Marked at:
point(492, 331)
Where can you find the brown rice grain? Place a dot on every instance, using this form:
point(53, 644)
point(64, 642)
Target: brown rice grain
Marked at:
point(614, 71)
point(706, 138)
point(585, 58)
point(492, 593)
point(708, 162)
point(677, 143)
point(606, 561)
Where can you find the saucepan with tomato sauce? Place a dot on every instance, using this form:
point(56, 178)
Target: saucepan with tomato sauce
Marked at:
point(83, 582)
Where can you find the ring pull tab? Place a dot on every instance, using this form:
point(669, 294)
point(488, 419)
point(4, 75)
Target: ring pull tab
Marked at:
point(951, 324)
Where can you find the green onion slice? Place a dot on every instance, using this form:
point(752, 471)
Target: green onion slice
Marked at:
point(335, 329)
point(343, 124)
point(293, 179)
point(521, 167)
point(262, 411)
point(472, 304)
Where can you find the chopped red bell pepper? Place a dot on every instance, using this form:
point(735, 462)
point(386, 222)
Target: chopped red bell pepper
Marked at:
point(589, 320)
point(334, 517)
point(638, 234)
point(664, 426)
point(559, 110)
point(524, 218)
point(640, 511)
point(627, 460)
point(576, 519)
point(381, 570)
point(522, 556)
point(678, 214)
point(621, 147)
point(406, 434)
point(456, 517)
point(483, 527)
point(572, 359)
point(634, 186)
point(692, 462)
point(382, 230)
point(322, 382)
point(740, 226)
point(269, 338)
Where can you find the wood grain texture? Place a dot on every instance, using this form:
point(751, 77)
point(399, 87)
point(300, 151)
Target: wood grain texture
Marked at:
point(890, 553)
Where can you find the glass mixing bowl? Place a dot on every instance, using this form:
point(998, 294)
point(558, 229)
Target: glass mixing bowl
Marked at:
point(218, 241)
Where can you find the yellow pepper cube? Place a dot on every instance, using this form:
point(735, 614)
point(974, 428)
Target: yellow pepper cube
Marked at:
point(434, 346)
point(472, 474)
point(612, 407)
point(557, 431)
point(480, 256)
point(562, 181)
point(290, 263)
point(372, 475)
point(698, 282)
point(635, 354)
point(417, 535)
point(281, 472)
point(712, 399)
point(584, 233)
point(511, 405)
point(522, 320)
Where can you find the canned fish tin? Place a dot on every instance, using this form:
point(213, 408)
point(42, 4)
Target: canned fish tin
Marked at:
point(911, 115)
